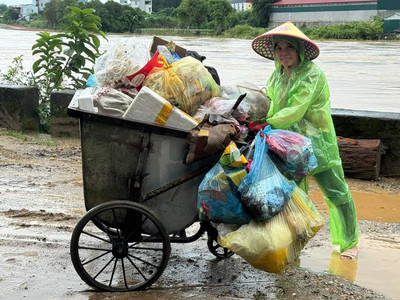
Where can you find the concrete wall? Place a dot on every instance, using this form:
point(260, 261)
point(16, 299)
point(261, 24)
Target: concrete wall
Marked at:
point(18, 107)
point(320, 18)
point(61, 124)
point(348, 123)
point(323, 14)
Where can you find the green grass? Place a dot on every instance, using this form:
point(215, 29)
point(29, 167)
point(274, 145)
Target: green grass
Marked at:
point(32, 139)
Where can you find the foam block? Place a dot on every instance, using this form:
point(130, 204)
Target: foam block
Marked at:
point(149, 107)
point(83, 99)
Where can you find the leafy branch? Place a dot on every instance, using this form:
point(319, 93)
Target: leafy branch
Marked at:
point(66, 59)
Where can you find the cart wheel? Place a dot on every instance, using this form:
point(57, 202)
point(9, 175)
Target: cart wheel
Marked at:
point(215, 248)
point(121, 258)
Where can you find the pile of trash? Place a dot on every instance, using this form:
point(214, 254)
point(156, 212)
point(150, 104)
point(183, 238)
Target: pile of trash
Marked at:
point(250, 194)
point(164, 85)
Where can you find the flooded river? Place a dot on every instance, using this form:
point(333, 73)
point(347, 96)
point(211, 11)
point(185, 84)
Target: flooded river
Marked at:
point(362, 75)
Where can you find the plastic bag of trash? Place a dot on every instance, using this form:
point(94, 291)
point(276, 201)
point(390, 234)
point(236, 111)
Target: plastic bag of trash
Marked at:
point(185, 83)
point(256, 99)
point(110, 101)
point(291, 152)
point(217, 199)
point(265, 190)
point(222, 107)
point(274, 244)
point(136, 79)
point(124, 58)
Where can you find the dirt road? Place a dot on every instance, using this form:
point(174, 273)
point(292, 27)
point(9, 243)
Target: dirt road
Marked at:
point(41, 200)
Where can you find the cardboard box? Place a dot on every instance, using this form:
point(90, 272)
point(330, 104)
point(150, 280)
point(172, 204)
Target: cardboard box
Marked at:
point(159, 41)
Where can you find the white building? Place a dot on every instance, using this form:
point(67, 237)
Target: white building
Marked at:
point(41, 3)
point(241, 5)
point(144, 5)
point(25, 10)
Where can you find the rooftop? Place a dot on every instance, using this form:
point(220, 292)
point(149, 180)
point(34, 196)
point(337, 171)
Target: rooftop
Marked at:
point(303, 2)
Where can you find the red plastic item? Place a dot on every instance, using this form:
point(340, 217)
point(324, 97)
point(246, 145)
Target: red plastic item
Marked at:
point(257, 128)
point(137, 78)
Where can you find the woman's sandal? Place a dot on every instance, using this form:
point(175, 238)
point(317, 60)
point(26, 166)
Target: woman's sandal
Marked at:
point(350, 253)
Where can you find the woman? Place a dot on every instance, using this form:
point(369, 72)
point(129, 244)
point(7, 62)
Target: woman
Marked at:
point(299, 95)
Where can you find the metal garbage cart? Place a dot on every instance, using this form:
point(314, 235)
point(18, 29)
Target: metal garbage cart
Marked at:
point(140, 197)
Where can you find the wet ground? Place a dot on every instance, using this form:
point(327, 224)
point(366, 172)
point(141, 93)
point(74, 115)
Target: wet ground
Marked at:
point(41, 201)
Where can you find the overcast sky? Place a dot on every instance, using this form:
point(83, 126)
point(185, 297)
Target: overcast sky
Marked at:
point(15, 2)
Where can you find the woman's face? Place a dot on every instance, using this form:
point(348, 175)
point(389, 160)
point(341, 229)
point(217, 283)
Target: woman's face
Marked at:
point(287, 54)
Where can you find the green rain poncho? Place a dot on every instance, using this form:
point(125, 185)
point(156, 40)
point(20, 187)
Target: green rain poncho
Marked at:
point(302, 105)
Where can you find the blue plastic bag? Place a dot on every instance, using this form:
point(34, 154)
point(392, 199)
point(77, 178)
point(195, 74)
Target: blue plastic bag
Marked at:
point(91, 81)
point(217, 198)
point(264, 191)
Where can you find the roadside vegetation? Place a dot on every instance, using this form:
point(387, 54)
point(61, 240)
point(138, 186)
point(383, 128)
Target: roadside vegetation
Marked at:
point(66, 59)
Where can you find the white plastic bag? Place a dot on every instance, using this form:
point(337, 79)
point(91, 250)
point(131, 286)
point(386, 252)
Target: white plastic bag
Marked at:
point(124, 58)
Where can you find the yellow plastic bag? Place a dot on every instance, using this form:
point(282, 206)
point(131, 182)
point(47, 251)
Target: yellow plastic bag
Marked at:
point(185, 83)
point(274, 244)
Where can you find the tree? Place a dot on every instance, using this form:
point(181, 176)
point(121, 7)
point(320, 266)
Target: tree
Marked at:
point(131, 18)
point(3, 8)
point(219, 11)
point(55, 10)
point(159, 5)
point(66, 58)
point(261, 11)
point(11, 14)
point(165, 18)
point(193, 13)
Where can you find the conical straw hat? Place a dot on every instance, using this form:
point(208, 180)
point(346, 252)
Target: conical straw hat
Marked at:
point(263, 43)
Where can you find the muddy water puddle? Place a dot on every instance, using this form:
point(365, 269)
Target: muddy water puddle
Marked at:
point(381, 206)
point(378, 264)
point(377, 267)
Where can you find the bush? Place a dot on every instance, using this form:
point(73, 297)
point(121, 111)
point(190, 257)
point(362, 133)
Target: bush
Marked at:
point(244, 32)
point(354, 30)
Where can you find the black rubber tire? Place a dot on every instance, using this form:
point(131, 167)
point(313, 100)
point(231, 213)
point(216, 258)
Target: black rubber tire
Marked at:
point(121, 258)
point(216, 249)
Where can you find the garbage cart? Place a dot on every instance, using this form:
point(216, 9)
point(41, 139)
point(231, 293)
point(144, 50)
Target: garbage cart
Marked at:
point(140, 197)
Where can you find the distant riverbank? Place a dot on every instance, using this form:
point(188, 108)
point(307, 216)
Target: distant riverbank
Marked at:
point(24, 27)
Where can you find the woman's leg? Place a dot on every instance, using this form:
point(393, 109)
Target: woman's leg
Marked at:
point(342, 211)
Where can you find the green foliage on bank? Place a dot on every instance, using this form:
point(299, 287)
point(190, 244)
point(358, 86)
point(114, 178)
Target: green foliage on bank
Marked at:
point(244, 32)
point(353, 31)
point(175, 32)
